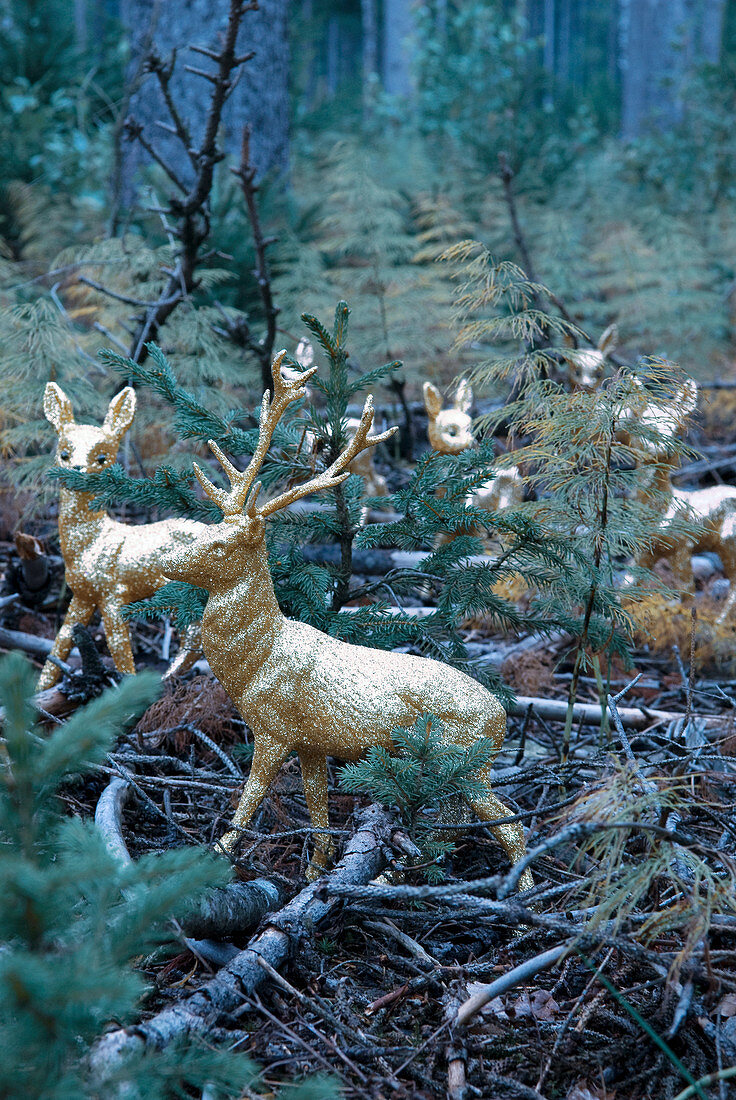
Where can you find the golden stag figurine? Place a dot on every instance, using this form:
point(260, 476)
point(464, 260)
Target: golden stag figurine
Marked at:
point(296, 687)
point(450, 431)
point(107, 563)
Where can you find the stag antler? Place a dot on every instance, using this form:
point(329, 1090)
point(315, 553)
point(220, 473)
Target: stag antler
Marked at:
point(286, 392)
point(337, 472)
point(244, 494)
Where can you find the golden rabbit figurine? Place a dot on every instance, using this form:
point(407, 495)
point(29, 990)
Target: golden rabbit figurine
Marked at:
point(107, 563)
point(296, 687)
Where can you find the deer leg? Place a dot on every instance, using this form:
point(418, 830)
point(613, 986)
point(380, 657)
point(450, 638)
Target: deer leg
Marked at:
point(190, 650)
point(79, 612)
point(314, 777)
point(511, 836)
point(268, 756)
point(117, 633)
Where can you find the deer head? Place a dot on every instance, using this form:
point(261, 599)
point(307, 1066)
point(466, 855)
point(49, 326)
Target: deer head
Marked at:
point(450, 430)
point(220, 556)
point(88, 448)
point(586, 364)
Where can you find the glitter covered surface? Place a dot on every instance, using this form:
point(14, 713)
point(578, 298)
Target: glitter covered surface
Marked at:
point(296, 687)
point(107, 563)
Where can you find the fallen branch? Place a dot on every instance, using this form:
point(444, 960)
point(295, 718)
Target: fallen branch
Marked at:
point(109, 817)
point(222, 912)
point(589, 714)
point(29, 643)
point(363, 860)
point(508, 981)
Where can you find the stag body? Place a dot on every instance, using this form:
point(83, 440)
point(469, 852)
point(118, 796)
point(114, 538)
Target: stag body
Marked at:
point(107, 563)
point(296, 687)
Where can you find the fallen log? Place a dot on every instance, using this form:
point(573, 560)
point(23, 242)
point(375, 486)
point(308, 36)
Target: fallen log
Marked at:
point(225, 911)
point(29, 643)
point(364, 858)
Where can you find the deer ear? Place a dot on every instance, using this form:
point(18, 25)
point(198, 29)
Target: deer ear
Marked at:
point(120, 412)
point(464, 396)
point(608, 340)
point(57, 407)
point(432, 400)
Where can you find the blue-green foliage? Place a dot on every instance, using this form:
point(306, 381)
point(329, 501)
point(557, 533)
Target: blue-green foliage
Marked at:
point(74, 918)
point(419, 777)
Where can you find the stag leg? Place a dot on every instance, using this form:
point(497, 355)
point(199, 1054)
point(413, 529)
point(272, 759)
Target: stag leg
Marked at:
point(117, 633)
point(79, 612)
point(268, 756)
point(511, 836)
point(314, 777)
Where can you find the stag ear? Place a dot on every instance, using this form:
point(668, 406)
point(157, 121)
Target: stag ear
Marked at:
point(120, 413)
point(464, 396)
point(432, 400)
point(57, 407)
point(608, 340)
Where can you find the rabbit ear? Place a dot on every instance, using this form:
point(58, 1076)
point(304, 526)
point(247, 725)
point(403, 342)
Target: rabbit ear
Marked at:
point(120, 413)
point(432, 400)
point(464, 396)
point(608, 340)
point(57, 407)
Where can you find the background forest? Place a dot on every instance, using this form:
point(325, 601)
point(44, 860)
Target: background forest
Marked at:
point(525, 195)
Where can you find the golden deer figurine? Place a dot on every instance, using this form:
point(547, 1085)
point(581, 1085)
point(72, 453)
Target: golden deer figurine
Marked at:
point(587, 364)
point(296, 687)
point(450, 431)
point(712, 509)
point(107, 563)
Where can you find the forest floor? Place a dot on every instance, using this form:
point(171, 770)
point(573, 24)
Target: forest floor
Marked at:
point(637, 999)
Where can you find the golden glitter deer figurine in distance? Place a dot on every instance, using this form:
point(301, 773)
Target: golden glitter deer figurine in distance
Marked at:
point(296, 687)
point(108, 564)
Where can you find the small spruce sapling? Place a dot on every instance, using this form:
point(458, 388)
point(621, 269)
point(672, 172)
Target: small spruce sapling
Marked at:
point(419, 779)
point(317, 593)
point(73, 918)
point(589, 453)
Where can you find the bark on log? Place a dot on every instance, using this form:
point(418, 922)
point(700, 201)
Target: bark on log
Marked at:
point(363, 859)
point(233, 909)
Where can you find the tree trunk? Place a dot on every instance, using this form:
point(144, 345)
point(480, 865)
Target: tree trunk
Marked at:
point(711, 30)
point(260, 96)
point(369, 26)
point(398, 27)
point(661, 42)
point(80, 24)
